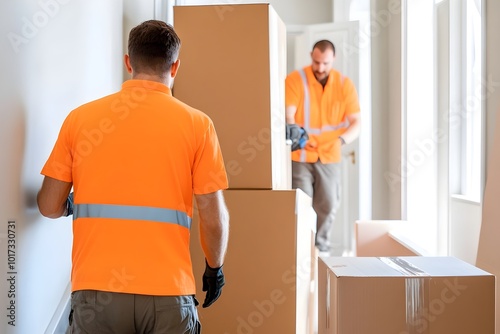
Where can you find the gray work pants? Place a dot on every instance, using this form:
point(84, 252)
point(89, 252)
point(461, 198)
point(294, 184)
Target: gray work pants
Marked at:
point(322, 183)
point(101, 312)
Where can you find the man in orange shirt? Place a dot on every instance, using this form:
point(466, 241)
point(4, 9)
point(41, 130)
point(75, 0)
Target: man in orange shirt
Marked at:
point(324, 103)
point(135, 159)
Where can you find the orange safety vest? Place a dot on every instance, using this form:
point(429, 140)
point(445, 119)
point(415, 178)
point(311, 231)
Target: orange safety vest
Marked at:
point(135, 159)
point(322, 112)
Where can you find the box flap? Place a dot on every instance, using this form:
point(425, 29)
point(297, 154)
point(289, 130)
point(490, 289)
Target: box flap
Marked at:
point(410, 266)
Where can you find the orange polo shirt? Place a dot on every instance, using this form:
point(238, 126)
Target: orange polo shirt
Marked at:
point(328, 111)
point(135, 158)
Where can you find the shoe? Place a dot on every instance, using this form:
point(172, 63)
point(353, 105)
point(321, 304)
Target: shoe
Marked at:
point(324, 254)
point(323, 250)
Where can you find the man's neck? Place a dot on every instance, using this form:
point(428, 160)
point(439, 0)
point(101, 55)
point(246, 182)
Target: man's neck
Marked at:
point(166, 80)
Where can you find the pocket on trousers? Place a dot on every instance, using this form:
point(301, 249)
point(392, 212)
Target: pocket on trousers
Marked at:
point(70, 317)
point(176, 315)
point(83, 308)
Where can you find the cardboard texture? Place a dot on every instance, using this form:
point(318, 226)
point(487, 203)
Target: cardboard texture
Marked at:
point(267, 267)
point(372, 239)
point(489, 245)
point(404, 295)
point(233, 68)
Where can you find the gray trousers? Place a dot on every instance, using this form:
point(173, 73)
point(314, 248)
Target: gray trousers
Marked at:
point(101, 312)
point(322, 183)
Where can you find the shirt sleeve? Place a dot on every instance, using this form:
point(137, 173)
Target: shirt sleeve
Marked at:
point(350, 97)
point(292, 90)
point(60, 162)
point(209, 172)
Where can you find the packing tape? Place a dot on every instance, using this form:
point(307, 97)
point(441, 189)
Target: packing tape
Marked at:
point(416, 293)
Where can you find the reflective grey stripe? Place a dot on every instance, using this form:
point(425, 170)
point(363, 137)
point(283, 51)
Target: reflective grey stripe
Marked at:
point(132, 213)
point(307, 110)
point(317, 131)
point(307, 100)
point(302, 155)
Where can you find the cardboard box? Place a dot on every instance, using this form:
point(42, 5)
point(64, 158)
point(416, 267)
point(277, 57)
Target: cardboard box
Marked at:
point(267, 267)
point(233, 68)
point(404, 295)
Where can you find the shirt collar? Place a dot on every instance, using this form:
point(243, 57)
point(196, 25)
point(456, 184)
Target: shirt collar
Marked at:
point(147, 85)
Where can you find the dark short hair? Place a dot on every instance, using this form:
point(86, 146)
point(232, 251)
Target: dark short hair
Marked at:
point(153, 46)
point(324, 45)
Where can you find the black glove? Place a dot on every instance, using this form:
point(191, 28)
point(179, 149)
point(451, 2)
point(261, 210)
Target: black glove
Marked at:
point(69, 205)
point(213, 281)
point(297, 135)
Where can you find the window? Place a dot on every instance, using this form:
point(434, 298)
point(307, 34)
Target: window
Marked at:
point(473, 97)
point(419, 122)
point(442, 124)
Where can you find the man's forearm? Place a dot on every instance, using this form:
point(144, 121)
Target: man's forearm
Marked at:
point(214, 228)
point(214, 241)
point(353, 131)
point(290, 114)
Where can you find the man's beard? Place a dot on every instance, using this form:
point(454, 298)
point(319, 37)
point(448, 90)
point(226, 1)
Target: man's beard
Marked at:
point(321, 77)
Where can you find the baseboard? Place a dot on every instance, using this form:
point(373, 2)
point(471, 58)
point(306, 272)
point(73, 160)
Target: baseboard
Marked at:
point(60, 322)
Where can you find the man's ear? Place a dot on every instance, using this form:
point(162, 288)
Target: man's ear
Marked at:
point(126, 60)
point(174, 68)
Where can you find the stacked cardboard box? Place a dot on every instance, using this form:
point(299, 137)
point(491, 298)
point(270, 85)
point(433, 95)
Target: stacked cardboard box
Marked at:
point(402, 295)
point(267, 267)
point(233, 68)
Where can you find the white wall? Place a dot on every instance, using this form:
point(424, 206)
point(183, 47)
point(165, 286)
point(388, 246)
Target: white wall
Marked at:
point(386, 109)
point(134, 13)
point(465, 229)
point(62, 53)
